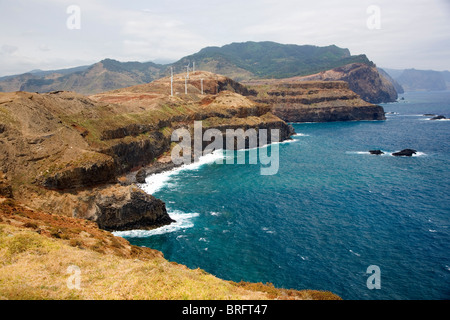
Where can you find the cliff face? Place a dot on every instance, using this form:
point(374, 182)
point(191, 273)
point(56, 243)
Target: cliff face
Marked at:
point(370, 84)
point(315, 101)
point(66, 153)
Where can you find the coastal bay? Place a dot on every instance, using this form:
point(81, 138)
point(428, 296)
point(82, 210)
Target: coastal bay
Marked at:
point(333, 210)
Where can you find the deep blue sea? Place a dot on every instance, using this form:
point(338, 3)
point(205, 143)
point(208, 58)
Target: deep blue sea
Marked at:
point(330, 212)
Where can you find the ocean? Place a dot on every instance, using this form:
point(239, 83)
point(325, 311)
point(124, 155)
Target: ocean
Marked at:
point(331, 213)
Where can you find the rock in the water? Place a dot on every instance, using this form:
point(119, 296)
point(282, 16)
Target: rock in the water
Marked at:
point(405, 153)
point(127, 208)
point(377, 152)
point(141, 175)
point(438, 117)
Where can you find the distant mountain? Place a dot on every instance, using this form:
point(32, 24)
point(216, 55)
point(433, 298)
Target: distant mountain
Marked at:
point(446, 75)
point(421, 80)
point(413, 80)
point(239, 61)
point(244, 61)
point(105, 75)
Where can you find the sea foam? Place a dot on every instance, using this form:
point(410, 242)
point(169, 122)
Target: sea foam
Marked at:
point(155, 182)
point(183, 221)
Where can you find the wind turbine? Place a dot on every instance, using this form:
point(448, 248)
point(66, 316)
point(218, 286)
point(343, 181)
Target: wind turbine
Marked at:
point(171, 81)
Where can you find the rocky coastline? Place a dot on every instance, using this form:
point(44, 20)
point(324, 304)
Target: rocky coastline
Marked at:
point(72, 159)
point(73, 155)
point(84, 157)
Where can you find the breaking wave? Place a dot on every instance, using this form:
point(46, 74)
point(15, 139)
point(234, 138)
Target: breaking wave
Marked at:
point(183, 221)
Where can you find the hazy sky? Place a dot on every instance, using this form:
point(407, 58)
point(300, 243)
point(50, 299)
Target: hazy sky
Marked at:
point(44, 34)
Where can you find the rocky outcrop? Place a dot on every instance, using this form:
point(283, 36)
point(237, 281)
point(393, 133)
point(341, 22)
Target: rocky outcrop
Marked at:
point(405, 153)
point(315, 101)
point(129, 208)
point(440, 117)
point(99, 169)
point(367, 81)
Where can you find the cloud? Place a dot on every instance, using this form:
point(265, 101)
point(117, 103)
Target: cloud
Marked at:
point(8, 49)
point(151, 36)
point(413, 33)
point(44, 47)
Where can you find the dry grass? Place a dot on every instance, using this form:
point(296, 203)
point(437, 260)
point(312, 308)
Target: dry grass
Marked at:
point(37, 250)
point(36, 267)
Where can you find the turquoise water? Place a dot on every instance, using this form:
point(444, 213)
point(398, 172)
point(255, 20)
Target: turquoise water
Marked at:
point(330, 212)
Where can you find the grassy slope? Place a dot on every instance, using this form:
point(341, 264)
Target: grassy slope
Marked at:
point(37, 250)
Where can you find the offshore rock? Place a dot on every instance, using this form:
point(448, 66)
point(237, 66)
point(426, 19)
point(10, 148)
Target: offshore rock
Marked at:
point(405, 153)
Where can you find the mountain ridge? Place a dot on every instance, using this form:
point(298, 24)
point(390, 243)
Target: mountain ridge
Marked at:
point(239, 61)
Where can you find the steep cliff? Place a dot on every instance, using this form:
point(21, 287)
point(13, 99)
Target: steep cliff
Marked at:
point(314, 101)
point(369, 83)
point(67, 153)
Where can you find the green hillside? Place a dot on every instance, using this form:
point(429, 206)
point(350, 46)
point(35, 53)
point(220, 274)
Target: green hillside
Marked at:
point(269, 59)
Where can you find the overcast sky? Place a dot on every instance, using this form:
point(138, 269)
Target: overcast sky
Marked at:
point(44, 34)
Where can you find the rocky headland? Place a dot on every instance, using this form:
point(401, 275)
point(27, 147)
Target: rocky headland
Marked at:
point(296, 100)
point(367, 81)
